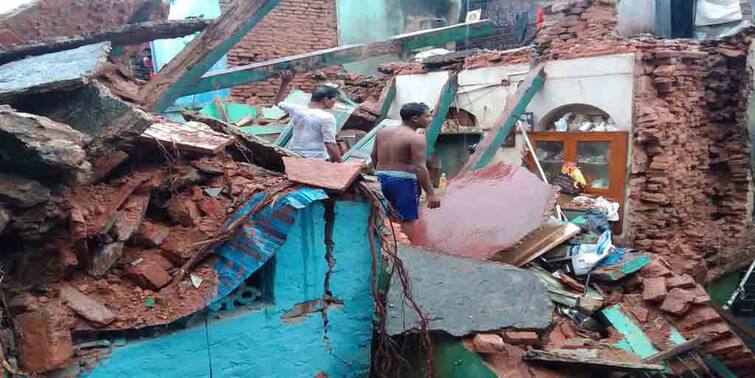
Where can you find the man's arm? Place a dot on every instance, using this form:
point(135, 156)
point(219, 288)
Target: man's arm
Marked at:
point(286, 77)
point(328, 129)
point(419, 161)
point(374, 153)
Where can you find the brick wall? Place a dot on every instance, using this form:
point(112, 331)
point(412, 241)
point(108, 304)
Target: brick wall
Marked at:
point(515, 21)
point(690, 177)
point(293, 27)
point(51, 18)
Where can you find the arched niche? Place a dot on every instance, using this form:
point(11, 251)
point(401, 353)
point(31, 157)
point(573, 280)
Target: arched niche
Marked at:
point(579, 113)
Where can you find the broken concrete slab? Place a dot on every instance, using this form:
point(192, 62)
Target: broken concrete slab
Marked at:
point(462, 296)
point(509, 204)
point(43, 149)
point(22, 192)
point(45, 339)
point(550, 235)
point(60, 71)
point(95, 312)
point(105, 258)
point(321, 173)
point(605, 360)
point(191, 136)
point(130, 217)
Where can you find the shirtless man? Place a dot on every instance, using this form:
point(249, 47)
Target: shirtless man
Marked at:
point(398, 157)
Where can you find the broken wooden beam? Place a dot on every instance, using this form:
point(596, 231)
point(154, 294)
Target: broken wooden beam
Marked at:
point(203, 52)
point(447, 97)
point(191, 136)
point(132, 34)
point(591, 358)
point(515, 106)
point(677, 350)
point(339, 55)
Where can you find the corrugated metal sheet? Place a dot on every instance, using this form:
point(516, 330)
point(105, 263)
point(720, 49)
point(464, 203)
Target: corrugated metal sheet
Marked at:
point(259, 238)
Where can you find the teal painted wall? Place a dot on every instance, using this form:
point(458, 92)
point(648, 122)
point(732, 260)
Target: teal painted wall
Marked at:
point(362, 21)
point(258, 343)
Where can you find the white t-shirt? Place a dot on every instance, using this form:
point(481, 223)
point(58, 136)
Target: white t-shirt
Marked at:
point(312, 129)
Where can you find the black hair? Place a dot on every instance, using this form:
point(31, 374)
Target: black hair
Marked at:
point(413, 109)
point(322, 92)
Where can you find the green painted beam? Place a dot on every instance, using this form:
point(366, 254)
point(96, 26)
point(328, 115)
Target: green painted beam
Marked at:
point(634, 337)
point(447, 96)
point(257, 10)
point(339, 55)
point(363, 149)
point(385, 107)
point(503, 132)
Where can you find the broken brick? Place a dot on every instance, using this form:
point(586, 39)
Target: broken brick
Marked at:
point(148, 275)
point(521, 338)
point(105, 258)
point(156, 258)
point(150, 235)
point(86, 307)
point(178, 247)
point(68, 260)
point(130, 217)
point(640, 313)
point(45, 339)
point(699, 316)
point(678, 302)
point(488, 343)
point(654, 289)
point(684, 281)
point(656, 268)
point(184, 211)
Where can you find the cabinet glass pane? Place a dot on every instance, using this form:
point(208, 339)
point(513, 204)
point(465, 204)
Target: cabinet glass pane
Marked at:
point(551, 157)
point(593, 161)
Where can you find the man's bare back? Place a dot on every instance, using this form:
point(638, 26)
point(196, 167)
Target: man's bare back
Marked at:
point(394, 148)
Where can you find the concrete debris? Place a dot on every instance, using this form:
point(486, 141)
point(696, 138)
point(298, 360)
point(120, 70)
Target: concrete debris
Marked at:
point(43, 149)
point(191, 136)
point(95, 312)
point(130, 217)
point(487, 343)
point(104, 259)
point(22, 192)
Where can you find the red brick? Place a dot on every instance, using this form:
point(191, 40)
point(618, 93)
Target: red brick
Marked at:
point(88, 308)
point(45, 339)
point(148, 275)
point(130, 217)
point(150, 235)
point(488, 343)
point(184, 211)
point(521, 338)
point(654, 289)
point(678, 302)
point(656, 268)
point(685, 281)
point(697, 317)
point(640, 313)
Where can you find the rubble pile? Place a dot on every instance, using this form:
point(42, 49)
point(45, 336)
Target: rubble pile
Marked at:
point(102, 213)
point(576, 29)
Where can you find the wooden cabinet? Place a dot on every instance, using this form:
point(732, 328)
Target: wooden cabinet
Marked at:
point(601, 156)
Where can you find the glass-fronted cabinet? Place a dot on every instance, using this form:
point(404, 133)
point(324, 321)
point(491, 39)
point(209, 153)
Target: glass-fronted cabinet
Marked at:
point(601, 156)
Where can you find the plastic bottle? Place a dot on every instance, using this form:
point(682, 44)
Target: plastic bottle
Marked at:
point(443, 182)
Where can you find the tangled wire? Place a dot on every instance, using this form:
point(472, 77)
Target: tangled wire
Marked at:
point(386, 354)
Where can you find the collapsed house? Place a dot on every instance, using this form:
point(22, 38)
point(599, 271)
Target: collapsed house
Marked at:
point(130, 239)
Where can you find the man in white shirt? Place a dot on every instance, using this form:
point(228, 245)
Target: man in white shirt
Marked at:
point(314, 127)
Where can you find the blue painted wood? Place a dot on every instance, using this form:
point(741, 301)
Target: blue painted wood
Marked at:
point(503, 132)
point(447, 96)
point(192, 75)
point(336, 56)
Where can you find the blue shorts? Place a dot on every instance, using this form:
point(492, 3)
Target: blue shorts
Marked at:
point(402, 191)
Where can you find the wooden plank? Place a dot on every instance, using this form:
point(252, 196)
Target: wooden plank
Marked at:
point(321, 173)
point(339, 55)
point(515, 106)
point(132, 34)
point(447, 96)
point(549, 236)
point(191, 136)
point(587, 358)
point(203, 52)
point(677, 350)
